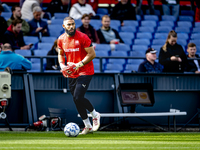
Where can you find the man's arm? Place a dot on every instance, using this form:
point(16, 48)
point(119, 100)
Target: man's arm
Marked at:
point(90, 55)
point(61, 58)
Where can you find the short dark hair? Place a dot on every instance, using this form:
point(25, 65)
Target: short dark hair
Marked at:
point(191, 45)
point(85, 15)
point(14, 7)
point(68, 18)
point(16, 21)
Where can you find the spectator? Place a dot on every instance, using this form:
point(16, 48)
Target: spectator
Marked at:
point(14, 36)
point(6, 8)
point(172, 55)
point(139, 7)
point(124, 10)
point(16, 14)
point(93, 3)
point(88, 29)
point(21, 3)
point(106, 34)
point(193, 65)
point(52, 63)
point(38, 27)
point(149, 65)
point(61, 6)
point(81, 8)
point(27, 8)
point(171, 7)
point(3, 25)
point(9, 59)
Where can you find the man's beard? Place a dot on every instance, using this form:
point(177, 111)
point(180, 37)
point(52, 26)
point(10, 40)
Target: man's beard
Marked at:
point(70, 33)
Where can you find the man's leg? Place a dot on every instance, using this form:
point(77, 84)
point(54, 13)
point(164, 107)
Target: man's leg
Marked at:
point(175, 10)
point(166, 9)
point(151, 7)
point(139, 7)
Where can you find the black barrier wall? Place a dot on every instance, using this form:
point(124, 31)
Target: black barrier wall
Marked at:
point(34, 93)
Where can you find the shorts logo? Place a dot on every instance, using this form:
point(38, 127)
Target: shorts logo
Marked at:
point(84, 85)
point(76, 43)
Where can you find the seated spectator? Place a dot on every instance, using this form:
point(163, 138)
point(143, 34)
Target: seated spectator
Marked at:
point(52, 63)
point(58, 6)
point(3, 25)
point(106, 34)
point(139, 7)
point(38, 27)
point(124, 10)
point(16, 14)
point(172, 55)
point(193, 65)
point(93, 3)
point(14, 36)
point(9, 59)
point(81, 8)
point(149, 65)
point(88, 29)
point(171, 7)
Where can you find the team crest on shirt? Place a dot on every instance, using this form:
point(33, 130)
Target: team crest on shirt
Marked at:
point(76, 43)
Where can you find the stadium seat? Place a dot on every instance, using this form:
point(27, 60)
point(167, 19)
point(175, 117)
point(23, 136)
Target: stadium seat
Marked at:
point(102, 11)
point(39, 53)
point(78, 22)
point(148, 23)
point(60, 15)
point(142, 42)
point(195, 36)
point(97, 61)
point(138, 17)
point(182, 42)
point(128, 29)
point(168, 18)
point(57, 22)
point(35, 68)
point(184, 24)
point(115, 24)
point(48, 39)
point(133, 23)
point(186, 18)
point(157, 48)
point(132, 67)
point(101, 53)
point(55, 30)
point(158, 41)
point(122, 47)
point(144, 35)
point(146, 29)
point(127, 41)
point(197, 42)
point(196, 30)
point(135, 61)
point(6, 14)
point(31, 39)
point(137, 53)
point(166, 23)
point(23, 52)
point(115, 68)
point(197, 24)
point(183, 36)
point(187, 13)
point(45, 46)
point(160, 35)
point(119, 53)
point(126, 35)
point(164, 29)
point(102, 47)
point(182, 30)
point(151, 17)
point(95, 23)
point(140, 48)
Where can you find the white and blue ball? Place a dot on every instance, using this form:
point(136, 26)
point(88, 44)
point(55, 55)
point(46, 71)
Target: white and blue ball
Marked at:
point(71, 129)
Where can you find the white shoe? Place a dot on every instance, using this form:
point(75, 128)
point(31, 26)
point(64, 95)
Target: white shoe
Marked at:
point(86, 131)
point(96, 122)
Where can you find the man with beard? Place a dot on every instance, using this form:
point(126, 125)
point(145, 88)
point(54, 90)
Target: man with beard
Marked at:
point(79, 53)
point(16, 14)
point(14, 36)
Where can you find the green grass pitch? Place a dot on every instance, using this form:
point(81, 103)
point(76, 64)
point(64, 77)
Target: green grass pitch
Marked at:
point(100, 140)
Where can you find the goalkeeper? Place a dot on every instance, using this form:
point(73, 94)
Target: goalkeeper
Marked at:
point(79, 69)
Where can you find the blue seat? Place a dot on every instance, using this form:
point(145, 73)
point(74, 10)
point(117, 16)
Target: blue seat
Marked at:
point(146, 29)
point(186, 18)
point(140, 48)
point(182, 42)
point(96, 67)
point(45, 46)
point(78, 22)
point(158, 41)
point(144, 35)
point(149, 23)
point(55, 30)
point(138, 17)
point(135, 61)
point(197, 24)
point(6, 14)
point(102, 11)
point(142, 42)
point(39, 53)
point(95, 23)
point(160, 35)
point(57, 22)
point(102, 47)
point(137, 53)
point(167, 23)
point(126, 35)
point(195, 36)
point(132, 67)
point(151, 17)
point(101, 53)
point(60, 15)
point(35, 68)
point(116, 61)
point(133, 23)
point(183, 36)
point(197, 42)
point(182, 30)
point(116, 68)
point(23, 52)
point(31, 39)
point(115, 24)
point(119, 53)
point(127, 41)
point(187, 13)
point(196, 30)
point(122, 47)
point(184, 24)
point(48, 39)
point(164, 29)
point(128, 29)
point(97, 61)
point(168, 18)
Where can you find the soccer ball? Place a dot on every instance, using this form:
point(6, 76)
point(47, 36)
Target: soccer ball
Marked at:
point(71, 129)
